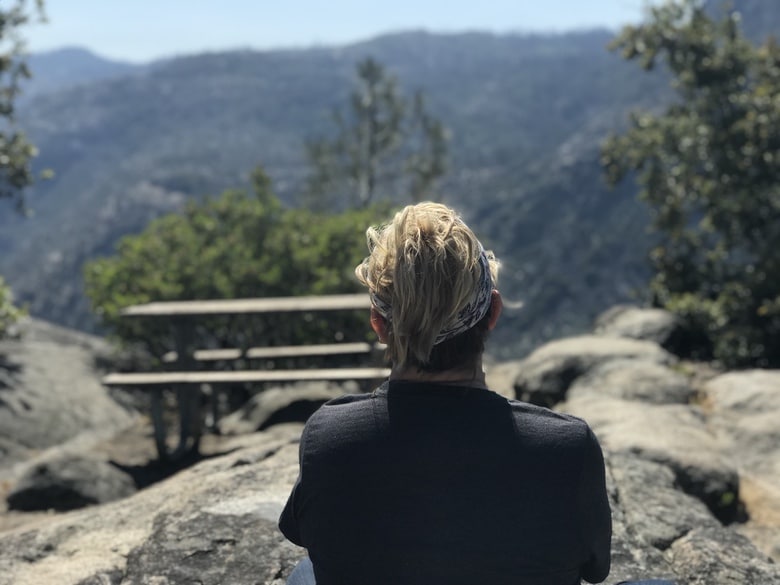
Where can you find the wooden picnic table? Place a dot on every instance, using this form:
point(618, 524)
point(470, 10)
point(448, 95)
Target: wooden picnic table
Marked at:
point(247, 306)
point(182, 316)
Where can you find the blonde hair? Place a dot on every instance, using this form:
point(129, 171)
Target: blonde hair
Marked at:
point(424, 266)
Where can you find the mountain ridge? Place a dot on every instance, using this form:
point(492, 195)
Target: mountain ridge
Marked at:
point(64, 67)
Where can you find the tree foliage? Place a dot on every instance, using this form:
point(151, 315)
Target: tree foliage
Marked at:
point(16, 152)
point(709, 167)
point(9, 313)
point(238, 245)
point(385, 146)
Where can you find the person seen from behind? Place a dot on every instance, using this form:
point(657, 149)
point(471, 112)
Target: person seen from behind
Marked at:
point(433, 479)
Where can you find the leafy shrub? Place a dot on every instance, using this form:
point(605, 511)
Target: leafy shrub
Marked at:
point(237, 245)
point(9, 313)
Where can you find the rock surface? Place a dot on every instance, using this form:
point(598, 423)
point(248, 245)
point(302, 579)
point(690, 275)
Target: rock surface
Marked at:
point(291, 403)
point(675, 435)
point(718, 434)
point(660, 532)
point(50, 392)
point(632, 379)
point(656, 325)
point(546, 374)
point(677, 458)
point(745, 407)
point(68, 483)
point(215, 523)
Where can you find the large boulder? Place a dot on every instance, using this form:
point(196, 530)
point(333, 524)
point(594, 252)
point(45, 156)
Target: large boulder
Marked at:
point(69, 482)
point(51, 392)
point(291, 403)
point(675, 435)
point(745, 408)
point(546, 375)
point(634, 379)
point(714, 555)
point(661, 532)
point(214, 523)
point(629, 321)
point(760, 495)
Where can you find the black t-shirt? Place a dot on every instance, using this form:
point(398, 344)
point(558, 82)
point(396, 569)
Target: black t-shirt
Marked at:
point(430, 484)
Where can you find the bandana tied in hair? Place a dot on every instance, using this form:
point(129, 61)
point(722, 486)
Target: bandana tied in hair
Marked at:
point(474, 311)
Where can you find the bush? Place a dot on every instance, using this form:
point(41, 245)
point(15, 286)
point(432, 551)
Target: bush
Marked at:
point(9, 313)
point(237, 245)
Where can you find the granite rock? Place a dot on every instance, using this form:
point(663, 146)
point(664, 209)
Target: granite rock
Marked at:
point(649, 324)
point(50, 391)
point(69, 482)
point(546, 375)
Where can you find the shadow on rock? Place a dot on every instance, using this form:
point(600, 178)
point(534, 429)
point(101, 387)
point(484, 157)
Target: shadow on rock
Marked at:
point(156, 470)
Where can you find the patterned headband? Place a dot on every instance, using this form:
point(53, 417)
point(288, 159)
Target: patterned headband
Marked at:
point(474, 311)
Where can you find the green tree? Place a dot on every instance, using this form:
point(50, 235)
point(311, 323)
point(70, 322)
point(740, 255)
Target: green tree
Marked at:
point(709, 167)
point(385, 146)
point(9, 313)
point(238, 245)
point(16, 152)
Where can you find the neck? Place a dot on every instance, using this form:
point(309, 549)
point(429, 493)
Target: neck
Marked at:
point(457, 377)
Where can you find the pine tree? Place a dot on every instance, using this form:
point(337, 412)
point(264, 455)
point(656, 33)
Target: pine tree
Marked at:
point(383, 148)
point(16, 152)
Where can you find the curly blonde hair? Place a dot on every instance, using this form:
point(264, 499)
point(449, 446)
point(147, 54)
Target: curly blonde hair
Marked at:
point(423, 269)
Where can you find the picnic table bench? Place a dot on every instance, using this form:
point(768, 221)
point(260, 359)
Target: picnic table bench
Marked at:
point(184, 373)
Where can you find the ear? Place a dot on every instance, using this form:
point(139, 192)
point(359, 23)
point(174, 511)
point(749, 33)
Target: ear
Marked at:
point(379, 325)
point(496, 304)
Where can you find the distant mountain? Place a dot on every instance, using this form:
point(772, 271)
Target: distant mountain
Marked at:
point(527, 115)
point(63, 68)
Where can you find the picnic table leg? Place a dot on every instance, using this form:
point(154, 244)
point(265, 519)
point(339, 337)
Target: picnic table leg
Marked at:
point(187, 398)
point(215, 398)
point(189, 419)
point(194, 417)
point(159, 424)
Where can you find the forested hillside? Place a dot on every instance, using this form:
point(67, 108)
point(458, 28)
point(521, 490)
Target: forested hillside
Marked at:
point(527, 115)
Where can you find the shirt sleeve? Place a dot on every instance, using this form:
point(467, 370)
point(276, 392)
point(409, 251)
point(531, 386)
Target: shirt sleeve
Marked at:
point(595, 514)
point(288, 521)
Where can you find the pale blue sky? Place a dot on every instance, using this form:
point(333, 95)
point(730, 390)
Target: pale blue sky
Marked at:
point(140, 30)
